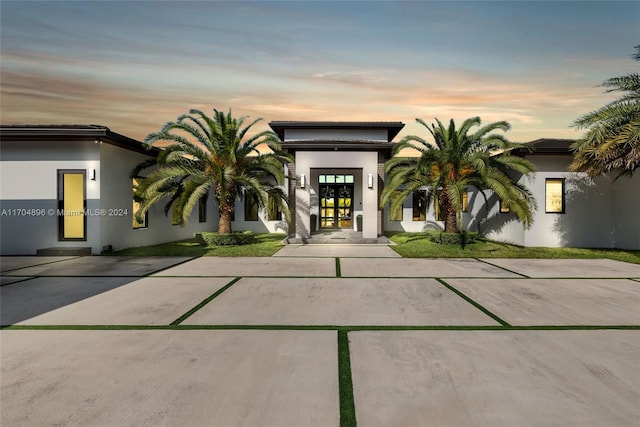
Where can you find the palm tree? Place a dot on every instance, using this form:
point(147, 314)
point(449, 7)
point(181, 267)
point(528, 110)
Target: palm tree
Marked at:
point(456, 160)
point(612, 141)
point(212, 153)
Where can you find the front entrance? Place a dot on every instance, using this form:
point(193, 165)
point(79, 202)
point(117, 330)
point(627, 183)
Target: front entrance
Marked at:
point(336, 197)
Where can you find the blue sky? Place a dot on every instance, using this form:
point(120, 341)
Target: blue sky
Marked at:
point(134, 65)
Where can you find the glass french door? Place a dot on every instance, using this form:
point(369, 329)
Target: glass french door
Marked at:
point(335, 205)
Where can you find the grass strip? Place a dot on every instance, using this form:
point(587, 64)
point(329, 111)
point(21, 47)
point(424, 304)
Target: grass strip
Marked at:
point(338, 269)
point(203, 302)
point(472, 302)
point(345, 383)
point(338, 328)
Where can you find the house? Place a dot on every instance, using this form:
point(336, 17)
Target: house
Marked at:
point(69, 187)
point(49, 174)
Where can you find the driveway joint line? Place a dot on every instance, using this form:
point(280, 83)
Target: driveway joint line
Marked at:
point(204, 302)
point(502, 268)
point(44, 263)
point(338, 269)
point(18, 281)
point(170, 266)
point(342, 328)
point(472, 302)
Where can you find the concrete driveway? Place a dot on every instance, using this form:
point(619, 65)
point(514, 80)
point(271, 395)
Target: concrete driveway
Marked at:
point(108, 341)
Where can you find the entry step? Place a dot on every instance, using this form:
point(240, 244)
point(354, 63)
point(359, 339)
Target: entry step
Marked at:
point(64, 251)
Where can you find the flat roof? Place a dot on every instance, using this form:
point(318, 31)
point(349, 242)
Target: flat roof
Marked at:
point(54, 133)
point(393, 128)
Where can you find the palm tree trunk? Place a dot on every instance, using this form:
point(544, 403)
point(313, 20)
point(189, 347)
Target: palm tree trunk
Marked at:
point(224, 225)
point(227, 207)
point(450, 219)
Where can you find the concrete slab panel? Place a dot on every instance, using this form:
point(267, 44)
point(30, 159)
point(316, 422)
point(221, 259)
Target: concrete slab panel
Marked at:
point(40, 295)
point(569, 267)
point(423, 267)
point(148, 301)
point(312, 301)
point(254, 266)
point(496, 378)
point(332, 251)
point(101, 266)
point(14, 262)
point(556, 301)
point(173, 378)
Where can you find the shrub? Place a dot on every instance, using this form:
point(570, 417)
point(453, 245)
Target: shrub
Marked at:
point(453, 238)
point(234, 239)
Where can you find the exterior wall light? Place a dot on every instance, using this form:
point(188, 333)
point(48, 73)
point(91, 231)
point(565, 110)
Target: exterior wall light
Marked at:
point(303, 180)
point(370, 181)
point(92, 174)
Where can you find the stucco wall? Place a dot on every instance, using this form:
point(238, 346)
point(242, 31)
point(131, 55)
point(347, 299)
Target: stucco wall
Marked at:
point(117, 193)
point(626, 212)
point(29, 180)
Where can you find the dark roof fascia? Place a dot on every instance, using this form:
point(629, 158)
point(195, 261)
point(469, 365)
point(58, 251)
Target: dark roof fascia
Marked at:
point(56, 133)
point(393, 128)
point(546, 146)
point(327, 145)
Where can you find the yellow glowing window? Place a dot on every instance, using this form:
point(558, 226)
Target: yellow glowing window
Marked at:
point(72, 224)
point(554, 198)
point(465, 202)
point(504, 208)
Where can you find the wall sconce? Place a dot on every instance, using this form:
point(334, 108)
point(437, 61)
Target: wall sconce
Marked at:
point(370, 181)
point(92, 174)
point(303, 180)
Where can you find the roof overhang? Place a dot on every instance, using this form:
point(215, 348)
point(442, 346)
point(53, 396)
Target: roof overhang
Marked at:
point(59, 133)
point(392, 128)
point(546, 146)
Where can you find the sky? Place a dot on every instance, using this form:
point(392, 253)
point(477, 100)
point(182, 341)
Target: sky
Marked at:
point(134, 65)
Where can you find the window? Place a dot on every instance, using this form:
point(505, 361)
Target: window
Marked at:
point(398, 215)
point(136, 205)
point(554, 199)
point(250, 208)
point(419, 205)
point(202, 209)
point(465, 201)
point(274, 212)
point(72, 199)
point(503, 208)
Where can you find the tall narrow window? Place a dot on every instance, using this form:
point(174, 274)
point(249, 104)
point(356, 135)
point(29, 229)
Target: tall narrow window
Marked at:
point(136, 205)
point(419, 205)
point(274, 211)
point(202, 209)
point(250, 208)
point(465, 201)
point(554, 198)
point(72, 222)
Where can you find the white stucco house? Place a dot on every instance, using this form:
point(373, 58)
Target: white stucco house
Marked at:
point(335, 184)
point(85, 171)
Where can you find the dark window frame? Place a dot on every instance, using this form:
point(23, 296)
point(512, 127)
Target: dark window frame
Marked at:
point(563, 200)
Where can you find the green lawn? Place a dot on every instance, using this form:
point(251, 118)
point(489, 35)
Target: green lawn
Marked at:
point(265, 245)
point(418, 245)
